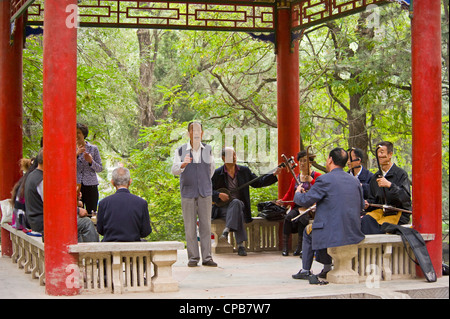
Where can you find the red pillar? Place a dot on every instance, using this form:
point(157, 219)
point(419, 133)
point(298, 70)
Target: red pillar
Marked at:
point(427, 124)
point(59, 97)
point(288, 118)
point(10, 108)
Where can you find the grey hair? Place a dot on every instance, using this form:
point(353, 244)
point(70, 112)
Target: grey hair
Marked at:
point(121, 176)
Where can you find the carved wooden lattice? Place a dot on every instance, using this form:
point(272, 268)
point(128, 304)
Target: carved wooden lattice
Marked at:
point(307, 13)
point(199, 15)
point(228, 15)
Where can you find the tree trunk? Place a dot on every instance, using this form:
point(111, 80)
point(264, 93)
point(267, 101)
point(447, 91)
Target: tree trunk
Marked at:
point(148, 51)
point(356, 119)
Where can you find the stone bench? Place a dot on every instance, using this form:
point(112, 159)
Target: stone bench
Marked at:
point(263, 235)
point(28, 253)
point(113, 267)
point(121, 267)
point(380, 256)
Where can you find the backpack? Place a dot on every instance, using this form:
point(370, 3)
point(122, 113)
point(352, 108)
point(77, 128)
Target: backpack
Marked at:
point(271, 211)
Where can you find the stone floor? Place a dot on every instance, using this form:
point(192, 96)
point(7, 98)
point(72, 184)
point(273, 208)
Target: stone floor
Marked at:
point(259, 276)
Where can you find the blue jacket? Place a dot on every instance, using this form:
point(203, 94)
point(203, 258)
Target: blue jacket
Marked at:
point(364, 177)
point(339, 199)
point(123, 217)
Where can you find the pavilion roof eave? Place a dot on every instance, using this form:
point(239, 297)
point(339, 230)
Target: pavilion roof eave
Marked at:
point(231, 15)
point(331, 17)
point(207, 15)
point(133, 26)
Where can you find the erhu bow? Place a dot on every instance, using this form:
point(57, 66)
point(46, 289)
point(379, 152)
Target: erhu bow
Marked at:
point(307, 160)
point(381, 172)
point(222, 203)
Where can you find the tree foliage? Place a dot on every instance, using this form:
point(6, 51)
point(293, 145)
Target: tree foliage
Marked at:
point(138, 89)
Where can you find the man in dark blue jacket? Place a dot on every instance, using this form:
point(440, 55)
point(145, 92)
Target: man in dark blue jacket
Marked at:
point(123, 216)
point(339, 202)
point(355, 157)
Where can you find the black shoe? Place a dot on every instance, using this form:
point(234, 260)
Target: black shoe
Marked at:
point(241, 251)
point(209, 263)
point(285, 253)
point(323, 274)
point(297, 252)
point(224, 235)
point(192, 264)
point(314, 280)
point(302, 275)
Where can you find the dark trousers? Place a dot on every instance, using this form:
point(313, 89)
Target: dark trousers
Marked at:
point(296, 226)
point(89, 197)
point(233, 213)
point(370, 226)
point(308, 253)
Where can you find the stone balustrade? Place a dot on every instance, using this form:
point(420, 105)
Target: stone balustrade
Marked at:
point(28, 253)
point(121, 267)
point(263, 235)
point(105, 267)
point(382, 256)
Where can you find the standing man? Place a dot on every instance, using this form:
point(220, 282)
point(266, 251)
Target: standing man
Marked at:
point(339, 203)
point(355, 157)
point(123, 216)
point(194, 163)
point(389, 186)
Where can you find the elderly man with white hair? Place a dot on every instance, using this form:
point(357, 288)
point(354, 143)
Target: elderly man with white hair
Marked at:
point(123, 216)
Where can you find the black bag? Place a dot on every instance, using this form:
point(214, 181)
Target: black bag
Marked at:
point(271, 211)
point(418, 246)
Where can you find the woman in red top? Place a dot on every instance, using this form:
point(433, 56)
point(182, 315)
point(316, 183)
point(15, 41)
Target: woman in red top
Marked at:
point(298, 225)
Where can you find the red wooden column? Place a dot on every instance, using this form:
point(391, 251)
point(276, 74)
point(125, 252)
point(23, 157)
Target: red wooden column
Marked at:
point(10, 108)
point(427, 124)
point(59, 96)
point(288, 118)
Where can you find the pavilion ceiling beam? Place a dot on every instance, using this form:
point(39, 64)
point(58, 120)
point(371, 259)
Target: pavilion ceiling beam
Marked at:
point(308, 13)
point(237, 15)
point(19, 7)
point(213, 15)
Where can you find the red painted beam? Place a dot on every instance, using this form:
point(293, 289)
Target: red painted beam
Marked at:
point(10, 109)
point(288, 113)
point(59, 96)
point(427, 124)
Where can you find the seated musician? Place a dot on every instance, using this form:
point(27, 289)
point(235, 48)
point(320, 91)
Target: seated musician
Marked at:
point(233, 204)
point(390, 186)
point(337, 221)
point(355, 157)
point(307, 179)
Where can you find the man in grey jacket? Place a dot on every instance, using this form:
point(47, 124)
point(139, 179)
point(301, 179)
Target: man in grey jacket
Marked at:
point(339, 203)
point(194, 163)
